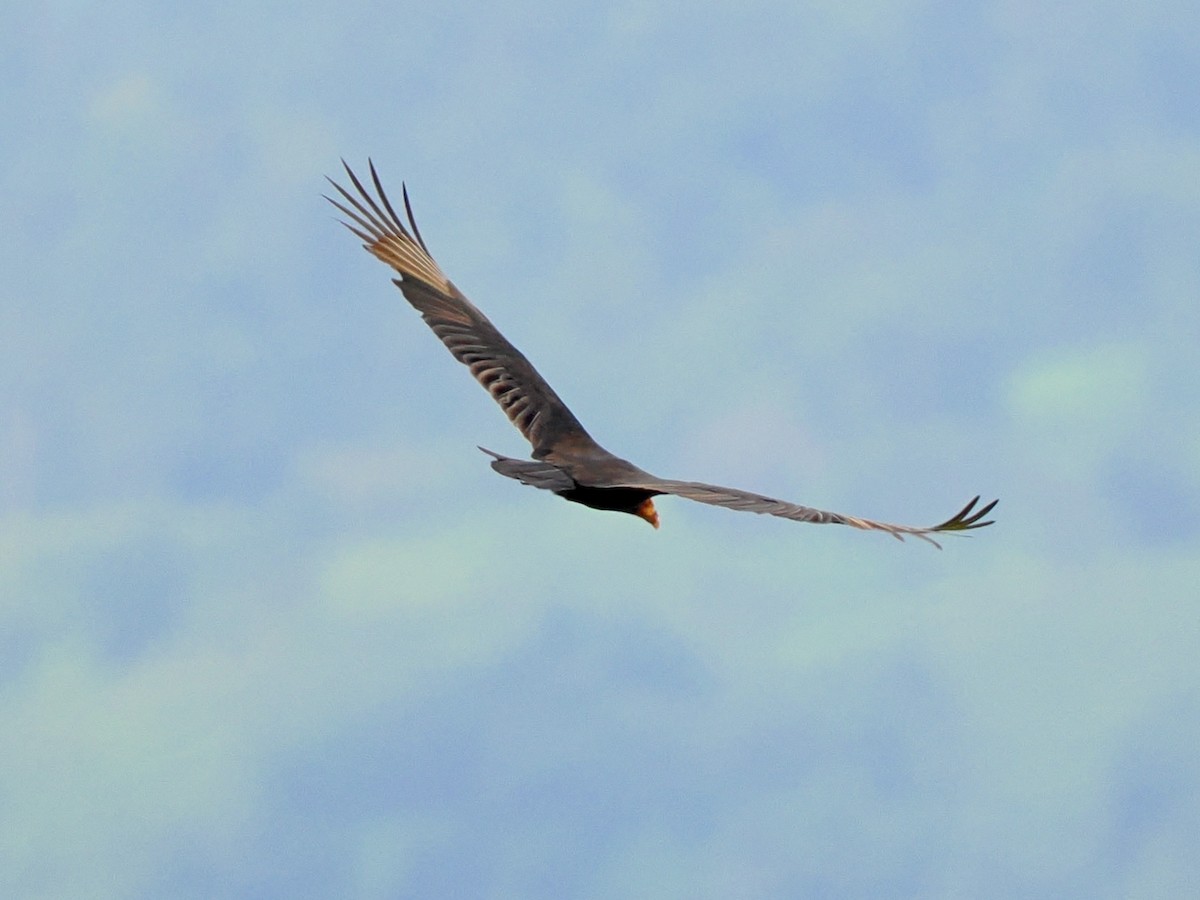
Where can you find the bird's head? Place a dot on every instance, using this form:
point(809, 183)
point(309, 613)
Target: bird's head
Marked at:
point(645, 510)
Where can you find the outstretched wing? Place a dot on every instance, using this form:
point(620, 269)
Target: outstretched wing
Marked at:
point(967, 519)
point(528, 401)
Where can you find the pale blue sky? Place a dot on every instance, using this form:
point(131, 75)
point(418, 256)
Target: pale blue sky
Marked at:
point(270, 626)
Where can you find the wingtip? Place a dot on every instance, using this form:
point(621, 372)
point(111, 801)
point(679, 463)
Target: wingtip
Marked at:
point(412, 220)
point(968, 518)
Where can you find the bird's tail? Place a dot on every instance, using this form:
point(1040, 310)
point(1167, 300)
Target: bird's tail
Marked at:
point(531, 472)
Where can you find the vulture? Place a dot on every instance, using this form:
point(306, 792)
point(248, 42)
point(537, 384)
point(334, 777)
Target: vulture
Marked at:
point(565, 458)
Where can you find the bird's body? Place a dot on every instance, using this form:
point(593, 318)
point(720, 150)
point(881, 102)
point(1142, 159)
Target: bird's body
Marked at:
point(566, 460)
point(603, 484)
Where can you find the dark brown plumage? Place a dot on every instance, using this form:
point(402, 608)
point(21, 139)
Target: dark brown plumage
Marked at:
point(566, 460)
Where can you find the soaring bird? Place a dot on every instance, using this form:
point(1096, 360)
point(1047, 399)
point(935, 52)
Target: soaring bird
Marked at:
point(565, 458)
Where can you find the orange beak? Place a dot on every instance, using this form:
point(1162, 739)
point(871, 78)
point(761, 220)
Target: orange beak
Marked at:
point(646, 510)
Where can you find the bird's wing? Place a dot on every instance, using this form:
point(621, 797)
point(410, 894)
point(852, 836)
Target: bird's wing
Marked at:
point(731, 498)
point(528, 401)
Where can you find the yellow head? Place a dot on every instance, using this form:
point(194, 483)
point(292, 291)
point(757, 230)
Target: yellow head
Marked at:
point(645, 510)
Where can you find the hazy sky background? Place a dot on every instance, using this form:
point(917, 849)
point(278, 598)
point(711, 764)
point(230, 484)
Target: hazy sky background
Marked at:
point(271, 627)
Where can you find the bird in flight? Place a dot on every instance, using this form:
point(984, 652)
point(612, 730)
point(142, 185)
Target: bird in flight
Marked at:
point(565, 458)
